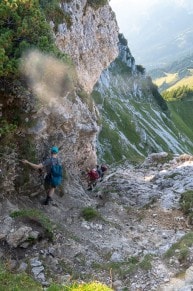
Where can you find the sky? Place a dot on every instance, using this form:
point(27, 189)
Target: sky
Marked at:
point(130, 12)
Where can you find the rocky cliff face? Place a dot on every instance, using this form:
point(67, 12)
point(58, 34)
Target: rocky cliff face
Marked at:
point(60, 113)
point(91, 40)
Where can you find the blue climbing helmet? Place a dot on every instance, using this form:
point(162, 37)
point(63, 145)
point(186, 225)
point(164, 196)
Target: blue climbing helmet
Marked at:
point(54, 150)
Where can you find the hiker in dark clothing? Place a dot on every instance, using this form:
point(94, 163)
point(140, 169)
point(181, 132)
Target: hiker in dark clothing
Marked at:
point(99, 171)
point(47, 164)
point(103, 168)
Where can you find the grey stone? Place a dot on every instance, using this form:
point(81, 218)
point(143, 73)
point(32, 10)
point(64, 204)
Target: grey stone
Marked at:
point(18, 236)
point(37, 270)
point(35, 262)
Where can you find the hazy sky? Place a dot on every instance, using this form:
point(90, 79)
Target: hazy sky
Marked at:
point(130, 13)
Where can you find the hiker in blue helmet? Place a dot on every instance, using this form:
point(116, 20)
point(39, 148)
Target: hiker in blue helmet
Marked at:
point(48, 165)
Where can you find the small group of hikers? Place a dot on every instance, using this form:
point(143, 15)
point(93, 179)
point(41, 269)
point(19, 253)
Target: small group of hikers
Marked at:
point(53, 176)
point(94, 175)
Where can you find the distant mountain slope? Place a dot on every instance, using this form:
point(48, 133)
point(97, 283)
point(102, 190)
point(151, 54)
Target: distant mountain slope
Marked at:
point(135, 119)
point(176, 74)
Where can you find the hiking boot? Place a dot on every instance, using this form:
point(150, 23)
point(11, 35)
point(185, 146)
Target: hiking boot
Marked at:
point(48, 200)
point(89, 189)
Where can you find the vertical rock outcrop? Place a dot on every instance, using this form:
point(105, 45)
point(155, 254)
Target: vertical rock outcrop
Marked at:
point(91, 40)
point(64, 117)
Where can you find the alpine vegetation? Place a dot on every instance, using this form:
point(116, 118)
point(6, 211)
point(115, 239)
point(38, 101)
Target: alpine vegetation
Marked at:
point(136, 120)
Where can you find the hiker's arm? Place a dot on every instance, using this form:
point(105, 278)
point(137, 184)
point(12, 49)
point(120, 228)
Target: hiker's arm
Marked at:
point(34, 166)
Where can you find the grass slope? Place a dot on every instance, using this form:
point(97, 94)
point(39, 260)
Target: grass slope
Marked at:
point(176, 74)
point(181, 114)
point(133, 125)
point(173, 81)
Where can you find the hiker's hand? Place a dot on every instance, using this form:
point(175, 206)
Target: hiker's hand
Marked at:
point(24, 161)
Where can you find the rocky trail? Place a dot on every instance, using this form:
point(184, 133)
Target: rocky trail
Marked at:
point(138, 220)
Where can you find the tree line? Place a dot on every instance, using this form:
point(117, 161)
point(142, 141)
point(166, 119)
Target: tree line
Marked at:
point(179, 93)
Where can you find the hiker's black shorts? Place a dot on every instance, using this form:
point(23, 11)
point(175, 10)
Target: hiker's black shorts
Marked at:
point(48, 183)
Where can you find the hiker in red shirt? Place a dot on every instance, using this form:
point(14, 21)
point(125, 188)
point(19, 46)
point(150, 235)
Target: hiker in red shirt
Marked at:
point(92, 176)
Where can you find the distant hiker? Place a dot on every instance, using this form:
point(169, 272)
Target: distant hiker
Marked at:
point(99, 171)
point(53, 176)
point(103, 169)
point(92, 176)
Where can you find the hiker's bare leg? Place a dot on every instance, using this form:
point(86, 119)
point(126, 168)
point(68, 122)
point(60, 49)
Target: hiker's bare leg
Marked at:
point(51, 192)
point(49, 196)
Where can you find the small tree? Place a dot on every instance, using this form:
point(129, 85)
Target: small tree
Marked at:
point(140, 69)
point(22, 26)
point(97, 3)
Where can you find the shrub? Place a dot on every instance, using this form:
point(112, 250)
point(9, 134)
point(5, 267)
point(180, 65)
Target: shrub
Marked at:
point(22, 27)
point(158, 97)
point(89, 213)
point(122, 39)
point(140, 69)
point(186, 204)
point(97, 3)
point(6, 127)
point(54, 13)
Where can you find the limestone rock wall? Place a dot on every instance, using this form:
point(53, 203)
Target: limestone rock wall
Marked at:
point(53, 116)
point(91, 40)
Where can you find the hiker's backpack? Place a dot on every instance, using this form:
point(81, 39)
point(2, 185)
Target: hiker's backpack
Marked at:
point(94, 175)
point(56, 173)
point(104, 168)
